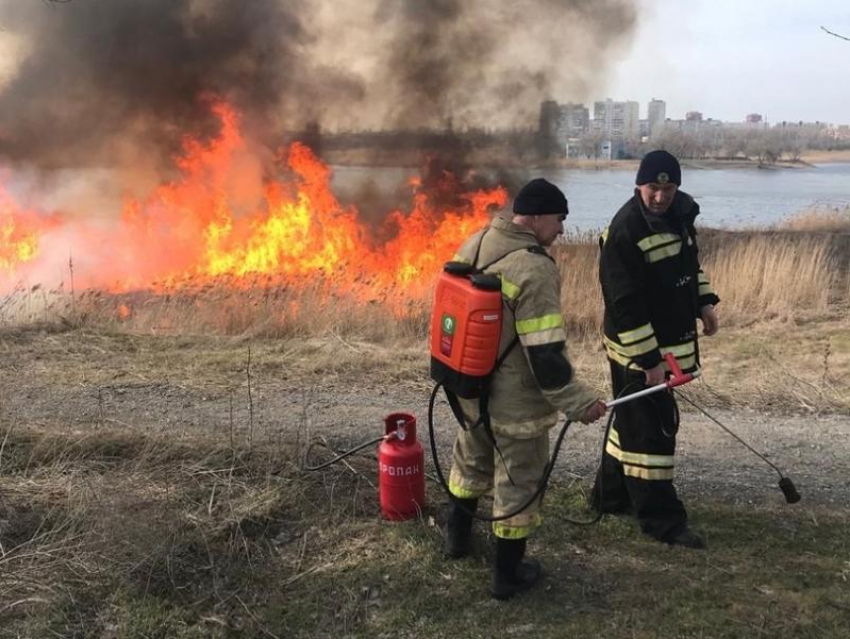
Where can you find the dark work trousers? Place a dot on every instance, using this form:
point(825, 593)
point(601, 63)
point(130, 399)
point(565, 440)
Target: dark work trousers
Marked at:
point(636, 474)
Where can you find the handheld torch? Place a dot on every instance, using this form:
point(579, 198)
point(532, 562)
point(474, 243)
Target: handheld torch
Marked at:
point(678, 378)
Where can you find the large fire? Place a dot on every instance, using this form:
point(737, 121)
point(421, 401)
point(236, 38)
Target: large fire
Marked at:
point(19, 233)
point(196, 229)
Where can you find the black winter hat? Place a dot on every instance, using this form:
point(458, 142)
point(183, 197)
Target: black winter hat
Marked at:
point(540, 197)
point(659, 167)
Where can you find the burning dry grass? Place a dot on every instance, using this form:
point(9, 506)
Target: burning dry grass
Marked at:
point(774, 274)
point(247, 308)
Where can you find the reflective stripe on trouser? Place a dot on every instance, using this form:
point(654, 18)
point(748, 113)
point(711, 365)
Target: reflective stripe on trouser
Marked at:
point(637, 467)
point(477, 467)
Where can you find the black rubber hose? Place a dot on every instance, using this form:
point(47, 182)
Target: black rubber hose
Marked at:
point(541, 487)
point(341, 455)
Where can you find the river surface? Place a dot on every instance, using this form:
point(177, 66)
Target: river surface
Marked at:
point(729, 198)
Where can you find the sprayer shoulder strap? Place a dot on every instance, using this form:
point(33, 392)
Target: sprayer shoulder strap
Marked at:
point(531, 248)
point(483, 398)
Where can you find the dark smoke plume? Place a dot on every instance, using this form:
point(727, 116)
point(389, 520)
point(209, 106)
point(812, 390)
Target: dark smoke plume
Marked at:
point(104, 74)
point(493, 61)
point(98, 77)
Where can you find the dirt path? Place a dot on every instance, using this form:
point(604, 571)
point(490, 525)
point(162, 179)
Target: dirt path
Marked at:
point(181, 387)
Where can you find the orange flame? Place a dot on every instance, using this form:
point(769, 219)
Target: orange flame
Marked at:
point(18, 237)
point(222, 218)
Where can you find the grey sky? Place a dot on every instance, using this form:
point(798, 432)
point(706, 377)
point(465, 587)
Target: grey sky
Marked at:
point(728, 58)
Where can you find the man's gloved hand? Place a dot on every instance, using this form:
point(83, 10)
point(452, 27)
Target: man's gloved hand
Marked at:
point(593, 412)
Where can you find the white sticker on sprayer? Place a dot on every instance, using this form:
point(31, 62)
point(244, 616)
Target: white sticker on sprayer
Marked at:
point(490, 318)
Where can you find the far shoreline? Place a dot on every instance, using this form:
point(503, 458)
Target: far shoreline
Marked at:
point(478, 160)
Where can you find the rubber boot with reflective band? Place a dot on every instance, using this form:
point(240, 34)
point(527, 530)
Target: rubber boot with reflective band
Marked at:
point(459, 527)
point(512, 574)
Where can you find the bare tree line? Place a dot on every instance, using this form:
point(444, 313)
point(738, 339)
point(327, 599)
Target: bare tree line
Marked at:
point(766, 146)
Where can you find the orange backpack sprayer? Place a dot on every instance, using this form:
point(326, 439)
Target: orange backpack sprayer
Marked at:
point(466, 324)
point(466, 329)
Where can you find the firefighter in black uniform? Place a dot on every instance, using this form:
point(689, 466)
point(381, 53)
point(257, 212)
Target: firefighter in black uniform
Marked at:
point(654, 291)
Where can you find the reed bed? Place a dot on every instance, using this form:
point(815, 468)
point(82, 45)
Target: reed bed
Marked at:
point(796, 271)
point(820, 219)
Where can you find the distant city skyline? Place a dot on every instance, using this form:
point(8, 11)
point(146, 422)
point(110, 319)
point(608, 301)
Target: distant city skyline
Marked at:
point(728, 58)
point(644, 112)
point(657, 111)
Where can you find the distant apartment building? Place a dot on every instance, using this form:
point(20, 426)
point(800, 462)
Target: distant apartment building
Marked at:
point(617, 119)
point(656, 114)
point(560, 122)
point(753, 122)
point(840, 132)
point(693, 116)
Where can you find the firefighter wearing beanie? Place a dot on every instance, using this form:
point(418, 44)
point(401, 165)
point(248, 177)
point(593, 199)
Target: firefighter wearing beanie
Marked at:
point(654, 292)
point(509, 454)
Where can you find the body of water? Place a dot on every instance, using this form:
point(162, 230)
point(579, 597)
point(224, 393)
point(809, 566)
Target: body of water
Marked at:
point(728, 198)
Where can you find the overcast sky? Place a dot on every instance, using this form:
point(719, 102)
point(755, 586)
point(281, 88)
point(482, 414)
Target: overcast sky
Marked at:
point(728, 58)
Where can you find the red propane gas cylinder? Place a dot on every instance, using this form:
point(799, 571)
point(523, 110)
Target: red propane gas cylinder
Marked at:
point(401, 471)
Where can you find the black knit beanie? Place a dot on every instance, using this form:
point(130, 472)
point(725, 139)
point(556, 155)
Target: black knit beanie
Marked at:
point(659, 167)
point(540, 197)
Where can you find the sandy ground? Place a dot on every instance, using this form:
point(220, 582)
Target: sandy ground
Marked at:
point(184, 387)
point(822, 157)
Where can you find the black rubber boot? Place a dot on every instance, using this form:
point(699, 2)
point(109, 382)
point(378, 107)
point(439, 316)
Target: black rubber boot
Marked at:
point(511, 574)
point(687, 538)
point(459, 527)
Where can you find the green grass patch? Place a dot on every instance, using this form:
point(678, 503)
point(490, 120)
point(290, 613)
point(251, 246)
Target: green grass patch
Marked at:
point(119, 540)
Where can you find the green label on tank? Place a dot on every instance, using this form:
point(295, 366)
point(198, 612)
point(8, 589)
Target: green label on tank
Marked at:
point(448, 324)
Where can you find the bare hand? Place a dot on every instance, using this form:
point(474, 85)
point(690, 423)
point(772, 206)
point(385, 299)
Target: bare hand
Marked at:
point(593, 412)
point(710, 323)
point(655, 376)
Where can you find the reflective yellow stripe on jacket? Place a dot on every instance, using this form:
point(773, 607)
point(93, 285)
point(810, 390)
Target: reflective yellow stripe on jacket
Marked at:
point(640, 465)
point(685, 354)
point(633, 343)
point(541, 330)
point(659, 246)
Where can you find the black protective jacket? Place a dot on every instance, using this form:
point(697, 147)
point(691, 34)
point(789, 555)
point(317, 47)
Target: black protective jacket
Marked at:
point(652, 284)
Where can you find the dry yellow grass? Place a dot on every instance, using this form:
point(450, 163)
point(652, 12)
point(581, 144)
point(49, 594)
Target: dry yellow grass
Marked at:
point(759, 275)
point(795, 272)
point(770, 277)
point(819, 220)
